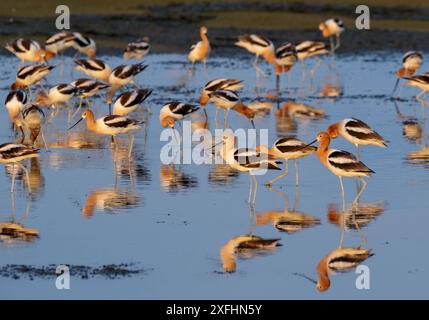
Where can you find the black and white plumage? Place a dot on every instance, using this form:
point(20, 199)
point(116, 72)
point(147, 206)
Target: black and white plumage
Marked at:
point(307, 49)
point(219, 84)
point(124, 74)
point(95, 68)
point(345, 164)
point(59, 42)
point(128, 102)
point(137, 49)
point(412, 60)
point(286, 55)
point(225, 99)
point(82, 44)
point(15, 103)
point(26, 50)
point(177, 110)
point(420, 81)
point(14, 152)
point(31, 74)
point(88, 87)
point(56, 95)
point(255, 44)
point(332, 28)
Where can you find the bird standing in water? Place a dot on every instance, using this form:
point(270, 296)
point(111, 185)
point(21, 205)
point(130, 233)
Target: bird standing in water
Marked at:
point(201, 50)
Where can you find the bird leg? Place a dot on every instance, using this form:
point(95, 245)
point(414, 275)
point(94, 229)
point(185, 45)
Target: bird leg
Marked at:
point(250, 189)
point(131, 144)
point(360, 191)
point(358, 152)
point(420, 96)
point(225, 118)
point(337, 45)
point(12, 187)
point(78, 108)
point(27, 176)
point(284, 174)
point(342, 192)
point(254, 192)
point(43, 139)
point(331, 39)
point(296, 172)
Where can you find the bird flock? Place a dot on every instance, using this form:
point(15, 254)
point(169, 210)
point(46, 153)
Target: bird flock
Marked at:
point(123, 96)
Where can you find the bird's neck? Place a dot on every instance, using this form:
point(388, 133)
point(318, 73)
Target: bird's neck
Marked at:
point(322, 150)
point(269, 56)
point(90, 123)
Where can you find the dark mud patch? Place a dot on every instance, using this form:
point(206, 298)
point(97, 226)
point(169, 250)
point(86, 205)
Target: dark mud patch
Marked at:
point(109, 271)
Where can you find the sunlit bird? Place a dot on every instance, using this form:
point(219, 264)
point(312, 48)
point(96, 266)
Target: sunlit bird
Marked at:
point(286, 56)
point(87, 88)
point(94, 68)
point(129, 101)
point(111, 125)
point(56, 95)
point(287, 149)
point(59, 42)
point(332, 28)
point(201, 50)
point(34, 118)
point(420, 81)
point(82, 44)
point(15, 103)
point(30, 75)
point(137, 49)
point(29, 50)
point(258, 45)
point(411, 61)
point(175, 111)
point(14, 153)
point(218, 84)
point(341, 163)
point(356, 132)
point(246, 160)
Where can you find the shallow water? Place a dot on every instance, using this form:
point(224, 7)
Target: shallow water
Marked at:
point(173, 220)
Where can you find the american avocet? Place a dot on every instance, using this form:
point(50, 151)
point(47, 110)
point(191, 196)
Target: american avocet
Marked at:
point(299, 110)
point(287, 149)
point(339, 260)
point(123, 75)
point(201, 50)
point(82, 44)
point(111, 125)
point(94, 68)
point(129, 101)
point(15, 104)
point(29, 50)
point(411, 61)
point(218, 84)
point(33, 118)
point(246, 160)
point(341, 163)
point(58, 42)
point(87, 88)
point(356, 132)
point(258, 45)
point(175, 111)
point(30, 75)
point(243, 243)
point(286, 56)
point(56, 95)
point(332, 28)
point(311, 49)
point(420, 81)
point(14, 153)
point(227, 100)
point(355, 218)
point(137, 49)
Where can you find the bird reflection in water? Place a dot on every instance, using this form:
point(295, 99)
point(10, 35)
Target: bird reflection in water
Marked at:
point(222, 175)
point(174, 180)
point(411, 128)
point(14, 231)
point(357, 216)
point(289, 221)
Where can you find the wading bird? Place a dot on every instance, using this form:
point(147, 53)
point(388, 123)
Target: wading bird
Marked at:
point(82, 44)
point(246, 160)
point(332, 28)
point(94, 68)
point(14, 153)
point(356, 132)
point(420, 81)
point(175, 111)
point(56, 95)
point(260, 46)
point(201, 50)
point(411, 61)
point(311, 49)
point(111, 125)
point(287, 149)
point(59, 42)
point(33, 118)
point(341, 163)
point(30, 75)
point(15, 104)
point(129, 101)
point(137, 49)
point(286, 56)
point(87, 88)
point(218, 84)
point(29, 50)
